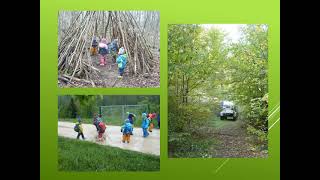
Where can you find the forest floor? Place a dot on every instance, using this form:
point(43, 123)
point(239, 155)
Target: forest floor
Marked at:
point(233, 141)
point(113, 136)
point(108, 75)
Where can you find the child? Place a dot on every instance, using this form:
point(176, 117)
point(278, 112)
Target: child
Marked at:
point(103, 51)
point(102, 129)
point(126, 130)
point(94, 47)
point(96, 121)
point(131, 117)
point(121, 61)
point(113, 49)
point(145, 125)
point(99, 119)
point(151, 117)
point(78, 128)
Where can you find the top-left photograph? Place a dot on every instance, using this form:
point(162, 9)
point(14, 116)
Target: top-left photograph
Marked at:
point(108, 49)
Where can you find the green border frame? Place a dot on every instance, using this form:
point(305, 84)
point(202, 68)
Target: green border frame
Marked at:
point(171, 12)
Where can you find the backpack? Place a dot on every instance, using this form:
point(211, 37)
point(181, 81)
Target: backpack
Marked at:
point(102, 127)
point(122, 60)
point(103, 51)
point(127, 128)
point(76, 128)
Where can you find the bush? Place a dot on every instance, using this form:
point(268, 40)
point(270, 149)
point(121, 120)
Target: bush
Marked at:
point(257, 113)
point(260, 137)
point(186, 133)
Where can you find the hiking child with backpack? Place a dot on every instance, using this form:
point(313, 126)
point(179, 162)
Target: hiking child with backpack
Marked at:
point(151, 117)
point(113, 49)
point(102, 129)
point(94, 47)
point(131, 118)
point(78, 128)
point(121, 61)
point(96, 120)
point(103, 51)
point(145, 125)
point(126, 130)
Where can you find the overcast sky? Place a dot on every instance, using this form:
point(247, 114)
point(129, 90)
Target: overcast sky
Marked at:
point(232, 30)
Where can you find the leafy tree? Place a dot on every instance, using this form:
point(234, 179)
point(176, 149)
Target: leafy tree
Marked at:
point(204, 69)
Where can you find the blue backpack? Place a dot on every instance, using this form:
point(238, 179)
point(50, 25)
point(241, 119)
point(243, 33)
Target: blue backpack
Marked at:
point(103, 51)
point(127, 128)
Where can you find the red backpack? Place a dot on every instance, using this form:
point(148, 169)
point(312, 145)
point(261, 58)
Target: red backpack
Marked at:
point(102, 127)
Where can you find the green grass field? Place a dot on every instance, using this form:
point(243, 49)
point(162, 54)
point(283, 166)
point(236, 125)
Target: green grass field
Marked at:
point(76, 155)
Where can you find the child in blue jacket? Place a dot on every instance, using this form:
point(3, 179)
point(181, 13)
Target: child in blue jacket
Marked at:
point(126, 130)
point(121, 61)
point(145, 124)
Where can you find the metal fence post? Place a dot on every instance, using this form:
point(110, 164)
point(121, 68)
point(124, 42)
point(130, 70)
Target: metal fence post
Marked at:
point(123, 112)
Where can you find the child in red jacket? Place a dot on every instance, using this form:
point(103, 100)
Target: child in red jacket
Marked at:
point(102, 129)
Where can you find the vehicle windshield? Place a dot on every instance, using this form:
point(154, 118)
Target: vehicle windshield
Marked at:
point(228, 107)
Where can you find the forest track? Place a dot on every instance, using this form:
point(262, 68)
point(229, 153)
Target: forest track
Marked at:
point(233, 141)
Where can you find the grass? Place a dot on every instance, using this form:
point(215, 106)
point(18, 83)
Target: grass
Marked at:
point(192, 148)
point(218, 124)
point(75, 155)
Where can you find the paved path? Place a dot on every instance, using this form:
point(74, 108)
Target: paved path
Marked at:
point(150, 145)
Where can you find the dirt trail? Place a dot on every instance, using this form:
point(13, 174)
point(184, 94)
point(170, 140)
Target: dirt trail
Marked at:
point(108, 75)
point(233, 141)
point(150, 145)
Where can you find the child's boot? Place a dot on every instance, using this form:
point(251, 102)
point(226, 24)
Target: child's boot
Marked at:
point(105, 60)
point(101, 61)
point(123, 138)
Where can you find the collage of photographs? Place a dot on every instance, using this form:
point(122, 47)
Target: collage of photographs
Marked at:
point(217, 91)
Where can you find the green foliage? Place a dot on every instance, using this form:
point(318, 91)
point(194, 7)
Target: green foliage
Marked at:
point(87, 105)
point(257, 115)
point(204, 70)
point(75, 155)
point(260, 137)
point(185, 145)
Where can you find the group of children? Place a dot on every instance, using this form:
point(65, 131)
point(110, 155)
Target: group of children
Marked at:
point(127, 128)
point(103, 48)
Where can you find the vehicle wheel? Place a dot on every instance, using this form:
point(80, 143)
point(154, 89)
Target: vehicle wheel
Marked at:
point(221, 118)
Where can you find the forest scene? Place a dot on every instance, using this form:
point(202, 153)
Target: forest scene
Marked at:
point(208, 66)
point(109, 49)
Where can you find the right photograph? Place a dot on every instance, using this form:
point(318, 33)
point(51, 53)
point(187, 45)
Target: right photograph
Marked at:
point(218, 91)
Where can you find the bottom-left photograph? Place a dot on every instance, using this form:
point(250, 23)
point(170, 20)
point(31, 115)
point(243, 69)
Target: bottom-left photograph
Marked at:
point(109, 133)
